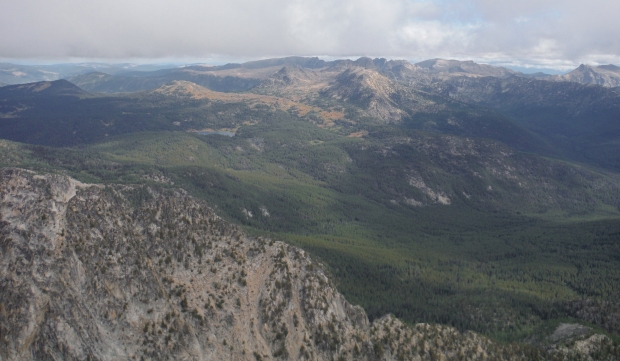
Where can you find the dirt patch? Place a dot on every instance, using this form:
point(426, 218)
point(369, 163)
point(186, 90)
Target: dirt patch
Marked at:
point(359, 134)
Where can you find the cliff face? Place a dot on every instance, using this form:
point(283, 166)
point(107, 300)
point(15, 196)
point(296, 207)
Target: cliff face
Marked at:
point(91, 272)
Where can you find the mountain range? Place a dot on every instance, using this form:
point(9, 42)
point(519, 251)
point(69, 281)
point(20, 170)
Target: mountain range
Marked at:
point(20, 73)
point(491, 102)
point(97, 76)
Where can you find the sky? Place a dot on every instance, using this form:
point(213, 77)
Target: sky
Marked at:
point(554, 34)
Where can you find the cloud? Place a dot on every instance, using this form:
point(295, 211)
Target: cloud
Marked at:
point(541, 32)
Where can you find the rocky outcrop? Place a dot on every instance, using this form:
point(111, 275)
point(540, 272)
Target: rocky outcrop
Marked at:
point(111, 272)
point(368, 89)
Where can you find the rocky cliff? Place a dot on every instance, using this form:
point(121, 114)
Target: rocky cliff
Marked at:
point(111, 272)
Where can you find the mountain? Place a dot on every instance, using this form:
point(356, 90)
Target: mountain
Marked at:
point(60, 113)
point(129, 272)
point(456, 67)
point(390, 100)
point(580, 121)
point(292, 76)
point(368, 89)
point(16, 100)
point(106, 83)
point(605, 75)
point(41, 89)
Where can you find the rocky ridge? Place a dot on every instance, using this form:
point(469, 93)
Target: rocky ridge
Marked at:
point(446, 67)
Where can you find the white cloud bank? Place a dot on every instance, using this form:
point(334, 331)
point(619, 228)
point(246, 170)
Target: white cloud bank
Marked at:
point(549, 33)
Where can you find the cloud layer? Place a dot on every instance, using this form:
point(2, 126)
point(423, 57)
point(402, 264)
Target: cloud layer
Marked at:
point(543, 32)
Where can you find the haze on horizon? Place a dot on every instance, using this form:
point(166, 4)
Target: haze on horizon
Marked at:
point(538, 33)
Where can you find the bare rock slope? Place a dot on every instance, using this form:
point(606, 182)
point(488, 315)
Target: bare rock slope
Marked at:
point(605, 75)
point(94, 272)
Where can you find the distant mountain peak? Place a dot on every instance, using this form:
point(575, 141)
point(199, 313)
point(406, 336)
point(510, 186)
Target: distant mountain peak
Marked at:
point(605, 75)
point(55, 88)
point(466, 67)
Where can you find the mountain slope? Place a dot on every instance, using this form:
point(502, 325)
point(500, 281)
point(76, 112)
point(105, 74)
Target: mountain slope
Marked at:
point(106, 83)
point(580, 121)
point(386, 100)
point(140, 81)
point(605, 75)
point(41, 89)
point(117, 272)
point(42, 113)
point(369, 90)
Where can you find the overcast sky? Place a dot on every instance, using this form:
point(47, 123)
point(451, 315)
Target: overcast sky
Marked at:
point(543, 33)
